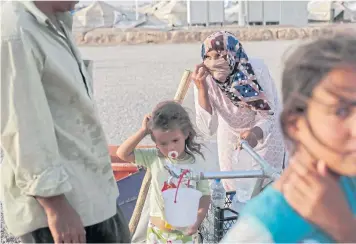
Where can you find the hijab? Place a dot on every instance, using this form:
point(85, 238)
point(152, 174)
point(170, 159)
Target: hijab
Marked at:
point(232, 71)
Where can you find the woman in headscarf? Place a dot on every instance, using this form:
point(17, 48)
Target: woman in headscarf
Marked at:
point(237, 98)
point(315, 199)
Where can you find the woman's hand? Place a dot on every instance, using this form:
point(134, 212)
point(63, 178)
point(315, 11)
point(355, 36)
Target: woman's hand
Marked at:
point(199, 76)
point(252, 136)
point(315, 194)
point(145, 121)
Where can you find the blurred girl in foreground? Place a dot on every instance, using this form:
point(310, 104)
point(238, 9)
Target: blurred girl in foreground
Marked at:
point(315, 199)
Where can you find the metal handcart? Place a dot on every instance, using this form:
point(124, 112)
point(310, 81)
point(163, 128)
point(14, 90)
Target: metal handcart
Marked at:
point(218, 221)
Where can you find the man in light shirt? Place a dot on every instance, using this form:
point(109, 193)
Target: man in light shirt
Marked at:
point(56, 178)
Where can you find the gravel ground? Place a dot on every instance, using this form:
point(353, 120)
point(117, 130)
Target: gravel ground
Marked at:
point(130, 80)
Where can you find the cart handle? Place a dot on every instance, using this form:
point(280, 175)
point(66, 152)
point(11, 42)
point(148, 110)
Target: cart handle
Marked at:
point(266, 172)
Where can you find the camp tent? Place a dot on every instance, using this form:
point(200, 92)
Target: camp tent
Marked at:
point(232, 12)
point(172, 12)
point(97, 14)
point(323, 11)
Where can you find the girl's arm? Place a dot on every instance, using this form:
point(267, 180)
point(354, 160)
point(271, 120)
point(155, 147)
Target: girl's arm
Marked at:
point(345, 232)
point(126, 151)
point(204, 205)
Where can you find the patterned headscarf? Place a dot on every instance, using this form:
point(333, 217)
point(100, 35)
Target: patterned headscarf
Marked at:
point(241, 86)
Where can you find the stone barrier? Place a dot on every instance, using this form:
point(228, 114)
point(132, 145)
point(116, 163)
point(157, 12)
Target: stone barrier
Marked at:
point(110, 37)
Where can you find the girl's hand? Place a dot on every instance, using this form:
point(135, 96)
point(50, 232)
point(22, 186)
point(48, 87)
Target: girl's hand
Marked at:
point(145, 121)
point(192, 230)
point(316, 195)
point(199, 76)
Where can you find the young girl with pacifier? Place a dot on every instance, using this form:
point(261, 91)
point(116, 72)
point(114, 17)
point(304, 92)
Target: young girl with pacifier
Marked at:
point(172, 130)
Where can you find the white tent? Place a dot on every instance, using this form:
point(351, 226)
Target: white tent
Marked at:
point(172, 12)
point(153, 7)
point(320, 10)
point(232, 12)
point(350, 10)
point(98, 14)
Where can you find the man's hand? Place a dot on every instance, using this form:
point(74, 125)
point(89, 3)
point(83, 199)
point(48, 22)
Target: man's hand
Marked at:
point(63, 221)
point(316, 195)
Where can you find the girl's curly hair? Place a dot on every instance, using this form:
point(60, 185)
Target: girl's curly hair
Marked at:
point(171, 115)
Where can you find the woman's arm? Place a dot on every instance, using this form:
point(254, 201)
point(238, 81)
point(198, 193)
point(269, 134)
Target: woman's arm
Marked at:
point(206, 117)
point(203, 100)
point(264, 121)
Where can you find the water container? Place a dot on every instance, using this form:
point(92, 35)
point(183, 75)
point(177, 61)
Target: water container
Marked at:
point(218, 194)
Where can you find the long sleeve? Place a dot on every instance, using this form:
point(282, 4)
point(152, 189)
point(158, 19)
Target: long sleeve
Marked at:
point(28, 137)
point(263, 119)
point(207, 123)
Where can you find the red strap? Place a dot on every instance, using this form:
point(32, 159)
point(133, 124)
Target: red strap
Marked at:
point(180, 180)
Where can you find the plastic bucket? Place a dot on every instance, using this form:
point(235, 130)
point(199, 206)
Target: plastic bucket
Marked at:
point(184, 211)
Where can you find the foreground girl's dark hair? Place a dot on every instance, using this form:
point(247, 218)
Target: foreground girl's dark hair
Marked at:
point(308, 65)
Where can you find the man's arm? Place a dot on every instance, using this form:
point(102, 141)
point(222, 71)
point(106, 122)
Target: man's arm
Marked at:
point(27, 129)
point(29, 141)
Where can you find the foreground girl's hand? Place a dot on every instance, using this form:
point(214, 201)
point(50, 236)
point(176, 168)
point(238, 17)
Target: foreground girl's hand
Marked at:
point(316, 195)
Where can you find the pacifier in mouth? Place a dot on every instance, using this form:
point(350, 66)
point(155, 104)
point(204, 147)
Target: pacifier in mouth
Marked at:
point(173, 154)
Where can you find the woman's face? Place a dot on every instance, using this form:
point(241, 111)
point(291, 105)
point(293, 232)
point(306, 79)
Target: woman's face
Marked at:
point(218, 65)
point(214, 55)
point(331, 117)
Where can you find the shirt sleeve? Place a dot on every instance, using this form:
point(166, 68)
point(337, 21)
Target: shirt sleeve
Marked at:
point(264, 120)
point(27, 129)
point(145, 156)
point(206, 123)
